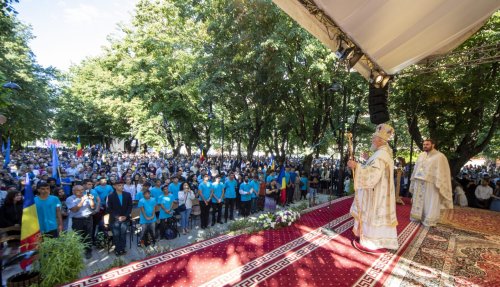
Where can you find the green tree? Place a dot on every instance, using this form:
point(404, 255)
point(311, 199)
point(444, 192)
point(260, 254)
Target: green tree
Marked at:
point(29, 111)
point(459, 107)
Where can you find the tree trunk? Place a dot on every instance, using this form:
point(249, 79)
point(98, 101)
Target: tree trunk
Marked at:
point(189, 151)
point(307, 163)
point(238, 146)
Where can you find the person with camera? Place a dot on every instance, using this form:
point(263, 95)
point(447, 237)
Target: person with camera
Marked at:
point(81, 206)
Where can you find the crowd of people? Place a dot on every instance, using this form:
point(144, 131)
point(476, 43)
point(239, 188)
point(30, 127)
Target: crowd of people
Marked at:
point(103, 188)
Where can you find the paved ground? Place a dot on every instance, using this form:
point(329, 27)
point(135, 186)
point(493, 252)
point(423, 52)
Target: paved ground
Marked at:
point(102, 260)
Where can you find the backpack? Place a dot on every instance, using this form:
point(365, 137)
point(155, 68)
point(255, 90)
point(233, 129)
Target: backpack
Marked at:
point(171, 231)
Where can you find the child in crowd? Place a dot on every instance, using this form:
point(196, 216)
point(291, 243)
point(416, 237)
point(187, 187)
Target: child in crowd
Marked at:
point(148, 216)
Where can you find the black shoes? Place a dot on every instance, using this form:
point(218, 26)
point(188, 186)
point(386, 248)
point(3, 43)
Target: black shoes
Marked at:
point(88, 255)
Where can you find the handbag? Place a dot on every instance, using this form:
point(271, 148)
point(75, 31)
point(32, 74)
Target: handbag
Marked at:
point(181, 208)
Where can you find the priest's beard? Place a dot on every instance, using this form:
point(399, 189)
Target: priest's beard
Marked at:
point(373, 147)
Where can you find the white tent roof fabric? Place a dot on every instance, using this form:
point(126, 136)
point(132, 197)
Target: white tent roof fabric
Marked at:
point(393, 34)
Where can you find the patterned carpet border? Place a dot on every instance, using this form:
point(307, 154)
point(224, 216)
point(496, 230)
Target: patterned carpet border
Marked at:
point(165, 257)
point(289, 259)
point(235, 275)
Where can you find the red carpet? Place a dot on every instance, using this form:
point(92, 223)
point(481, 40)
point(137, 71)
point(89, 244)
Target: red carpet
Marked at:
point(303, 254)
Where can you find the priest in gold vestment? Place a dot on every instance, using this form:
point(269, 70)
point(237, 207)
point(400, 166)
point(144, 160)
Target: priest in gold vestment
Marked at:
point(374, 205)
point(430, 186)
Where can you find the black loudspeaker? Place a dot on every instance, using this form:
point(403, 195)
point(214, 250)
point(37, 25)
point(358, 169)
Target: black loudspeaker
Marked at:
point(377, 105)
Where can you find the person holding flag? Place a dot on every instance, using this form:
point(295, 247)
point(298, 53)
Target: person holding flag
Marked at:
point(282, 182)
point(30, 228)
point(202, 155)
point(55, 165)
point(79, 150)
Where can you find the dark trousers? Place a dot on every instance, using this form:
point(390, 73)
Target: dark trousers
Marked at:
point(216, 209)
point(119, 229)
point(303, 194)
point(229, 207)
point(205, 213)
point(96, 220)
point(289, 194)
point(83, 226)
point(245, 207)
point(253, 208)
point(162, 227)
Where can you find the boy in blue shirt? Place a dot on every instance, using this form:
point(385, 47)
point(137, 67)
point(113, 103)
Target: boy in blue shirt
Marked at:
point(165, 204)
point(205, 194)
point(66, 184)
point(156, 190)
point(255, 185)
point(174, 187)
point(217, 198)
point(140, 194)
point(147, 216)
point(48, 208)
point(229, 197)
point(246, 197)
point(103, 189)
point(303, 185)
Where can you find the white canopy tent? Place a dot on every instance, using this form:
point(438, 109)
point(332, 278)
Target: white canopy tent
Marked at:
point(389, 35)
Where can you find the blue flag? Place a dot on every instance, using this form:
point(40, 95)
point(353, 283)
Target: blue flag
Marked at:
point(55, 164)
point(7, 155)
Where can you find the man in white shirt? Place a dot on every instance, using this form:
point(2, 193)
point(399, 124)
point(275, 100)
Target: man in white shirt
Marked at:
point(483, 194)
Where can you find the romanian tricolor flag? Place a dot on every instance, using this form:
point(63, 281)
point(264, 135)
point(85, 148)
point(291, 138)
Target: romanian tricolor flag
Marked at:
point(202, 156)
point(272, 163)
point(30, 228)
point(79, 150)
point(282, 182)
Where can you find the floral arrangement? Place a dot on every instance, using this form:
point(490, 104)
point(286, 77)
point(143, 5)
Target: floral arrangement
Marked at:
point(278, 219)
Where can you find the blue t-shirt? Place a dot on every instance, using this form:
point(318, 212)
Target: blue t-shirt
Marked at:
point(287, 178)
point(47, 215)
point(246, 188)
point(218, 188)
point(149, 209)
point(120, 197)
point(230, 187)
point(166, 201)
point(66, 188)
point(103, 192)
point(255, 184)
point(139, 196)
point(174, 190)
point(156, 192)
point(304, 181)
point(293, 176)
point(270, 178)
point(206, 189)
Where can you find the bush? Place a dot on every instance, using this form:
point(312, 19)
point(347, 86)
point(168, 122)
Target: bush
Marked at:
point(60, 260)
